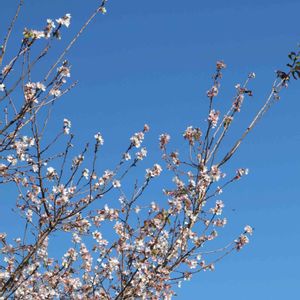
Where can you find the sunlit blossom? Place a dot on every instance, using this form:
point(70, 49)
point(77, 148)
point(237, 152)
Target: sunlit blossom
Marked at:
point(116, 184)
point(67, 126)
point(154, 172)
point(164, 140)
point(64, 21)
point(99, 139)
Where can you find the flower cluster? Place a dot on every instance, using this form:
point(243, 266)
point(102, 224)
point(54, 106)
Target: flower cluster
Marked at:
point(192, 134)
point(64, 21)
point(137, 139)
point(164, 140)
point(213, 117)
point(154, 172)
point(213, 92)
point(31, 89)
point(67, 126)
point(99, 139)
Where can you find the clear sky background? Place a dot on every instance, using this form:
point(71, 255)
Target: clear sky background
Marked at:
point(152, 61)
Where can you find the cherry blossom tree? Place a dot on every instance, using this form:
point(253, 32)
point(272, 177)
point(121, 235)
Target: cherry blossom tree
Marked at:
point(150, 247)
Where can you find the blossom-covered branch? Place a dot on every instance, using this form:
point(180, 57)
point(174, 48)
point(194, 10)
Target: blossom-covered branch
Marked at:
point(120, 244)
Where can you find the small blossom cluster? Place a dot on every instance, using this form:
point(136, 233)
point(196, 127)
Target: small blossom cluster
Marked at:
point(99, 139)
point(64, 21)
point(213, 92)
point(192, 135)
point(154, 172)
point(239, 99)
point(217, 210)
point(215, 173)
point(137, 139)
point(140, 155)
point(67, 126)
point(31, 89)
point(213, 117)
point(21, 146)
point(64, 70)
point(31, 34)
point(241, 172)
point(220, 65)
point(164, 140)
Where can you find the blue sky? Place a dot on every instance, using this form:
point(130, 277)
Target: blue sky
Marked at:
point(151, 61)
